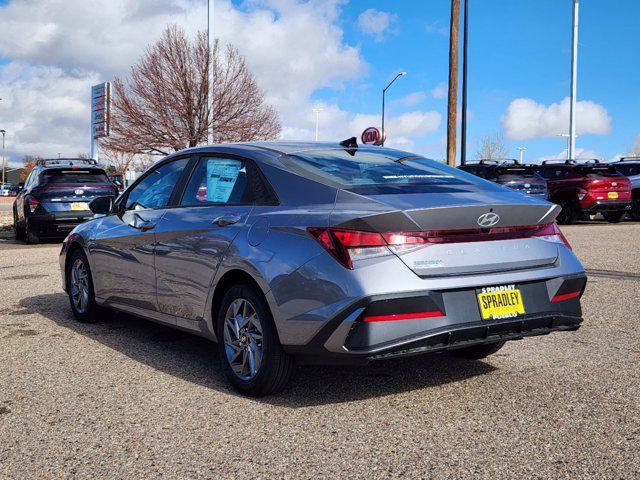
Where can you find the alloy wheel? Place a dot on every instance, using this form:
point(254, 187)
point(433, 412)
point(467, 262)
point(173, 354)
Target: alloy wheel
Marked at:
point(79, 286)
point(243, 339)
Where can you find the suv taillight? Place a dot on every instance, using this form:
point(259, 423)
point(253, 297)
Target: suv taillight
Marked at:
point(33, 204)
point(349, 245)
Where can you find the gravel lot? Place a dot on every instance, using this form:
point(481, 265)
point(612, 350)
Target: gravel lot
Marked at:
point(129, 399)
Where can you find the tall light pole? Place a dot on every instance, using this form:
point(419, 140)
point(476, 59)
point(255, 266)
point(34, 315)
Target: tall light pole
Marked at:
point(317, 111)
point(463, 125)
point(4, 162)
point(521, 149)
point(210, 8)
point(574, 82)
point(384, 90)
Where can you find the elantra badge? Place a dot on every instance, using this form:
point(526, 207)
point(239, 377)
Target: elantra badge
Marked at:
point(78, 191)
point(488, 219)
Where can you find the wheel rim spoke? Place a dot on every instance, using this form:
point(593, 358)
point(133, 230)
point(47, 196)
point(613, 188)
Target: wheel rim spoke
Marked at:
point(243, 339)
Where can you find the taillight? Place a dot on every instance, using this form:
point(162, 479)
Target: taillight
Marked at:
point(33, 204)
point(349, 245)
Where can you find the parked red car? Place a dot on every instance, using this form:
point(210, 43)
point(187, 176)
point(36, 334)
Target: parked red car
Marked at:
point(586, 188)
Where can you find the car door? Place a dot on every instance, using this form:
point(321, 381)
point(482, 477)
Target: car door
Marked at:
point(194, 236)
point(122, 251)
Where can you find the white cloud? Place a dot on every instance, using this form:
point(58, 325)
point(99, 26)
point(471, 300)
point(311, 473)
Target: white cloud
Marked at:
point(635, 149)
point(376, 23)
point(526, 119)
point(440, 91)
point(413, 99)
point(59, 48)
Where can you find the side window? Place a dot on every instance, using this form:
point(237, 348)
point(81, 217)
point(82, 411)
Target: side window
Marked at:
point(218, 180)
point(155, 189)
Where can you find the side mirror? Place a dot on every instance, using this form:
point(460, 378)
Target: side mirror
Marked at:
point(101, 205)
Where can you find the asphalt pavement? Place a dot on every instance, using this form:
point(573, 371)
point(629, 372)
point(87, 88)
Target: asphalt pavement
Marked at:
point(126, 398)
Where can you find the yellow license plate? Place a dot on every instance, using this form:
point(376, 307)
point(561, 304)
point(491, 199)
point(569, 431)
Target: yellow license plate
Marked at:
point(612, 195)
point(500, 302)
point(79, 206)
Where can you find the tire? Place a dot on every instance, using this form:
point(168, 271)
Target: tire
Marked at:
point(635, 210)
point(30, 237)
point(18, 231)
point(568, 215)
point(613, 217)
point(255, 342)
point(88, 311)
point(478, 352)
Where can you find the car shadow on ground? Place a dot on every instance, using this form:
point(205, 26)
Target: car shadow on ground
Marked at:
point(194, 359)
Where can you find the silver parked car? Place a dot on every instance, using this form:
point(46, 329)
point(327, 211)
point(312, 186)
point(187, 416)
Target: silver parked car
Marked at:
point(289, 253)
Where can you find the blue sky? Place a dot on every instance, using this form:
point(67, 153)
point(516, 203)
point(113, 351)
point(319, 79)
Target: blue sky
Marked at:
point(338, 55)
point(516, 49)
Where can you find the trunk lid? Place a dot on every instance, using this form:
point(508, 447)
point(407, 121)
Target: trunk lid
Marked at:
point(477, 210)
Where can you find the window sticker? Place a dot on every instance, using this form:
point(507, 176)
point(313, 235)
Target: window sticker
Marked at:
point(221, 178)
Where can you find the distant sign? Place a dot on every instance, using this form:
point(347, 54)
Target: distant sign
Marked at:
point(371, 136)
point(100, 109)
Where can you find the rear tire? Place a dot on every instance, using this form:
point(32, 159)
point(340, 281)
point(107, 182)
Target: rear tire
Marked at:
point(80, 289)
point(247, 339)
point(635, 210)
point(17, 229)
point(478, 352)
point(568, 215)
point(613, 217)
point(30, 237)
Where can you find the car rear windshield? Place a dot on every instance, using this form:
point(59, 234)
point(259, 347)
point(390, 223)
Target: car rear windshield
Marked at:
point(595, 171)
point(64, 176)
point(367, 171)
point(515, 173)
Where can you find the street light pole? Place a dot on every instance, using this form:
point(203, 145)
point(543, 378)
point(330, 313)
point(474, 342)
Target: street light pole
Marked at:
point(574, 82)
point(317, 111)
point(210, 11)
point(521, 149)
point(384, 90)
point(4, 162)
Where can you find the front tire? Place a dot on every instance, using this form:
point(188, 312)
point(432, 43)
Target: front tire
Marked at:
point(568, 215)
point(478, 352)
point(613, 217)
point(80, 288)
point(248, 346)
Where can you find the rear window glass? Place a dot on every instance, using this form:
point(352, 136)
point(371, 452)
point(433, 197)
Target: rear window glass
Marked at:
point(75, 176)
point(594, 172)
point(515, 173)
point(553, 173)
point(363, 169)
point(629, 170)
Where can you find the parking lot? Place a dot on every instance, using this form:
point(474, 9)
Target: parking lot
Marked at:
point(126, 398)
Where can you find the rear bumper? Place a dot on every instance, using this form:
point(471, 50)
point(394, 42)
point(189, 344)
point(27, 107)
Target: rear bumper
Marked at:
point(348, 339)
point(56, 224)
point(606, 206)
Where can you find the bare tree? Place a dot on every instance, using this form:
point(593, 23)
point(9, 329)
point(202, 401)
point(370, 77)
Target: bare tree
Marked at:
point(119, 160)
point(163, 105)
point(492, 147)
point(28, 162)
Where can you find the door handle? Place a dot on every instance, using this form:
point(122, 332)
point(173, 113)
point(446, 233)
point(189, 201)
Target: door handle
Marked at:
point(227, 219)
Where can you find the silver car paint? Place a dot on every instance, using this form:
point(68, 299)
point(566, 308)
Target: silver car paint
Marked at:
point(304, 286)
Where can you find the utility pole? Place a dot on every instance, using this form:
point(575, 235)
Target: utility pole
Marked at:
point(521, 149)
point(574, 82)
point(4, 161)
point(452, 104)
point(463, 126)
point(210, 32)
point(317, 111)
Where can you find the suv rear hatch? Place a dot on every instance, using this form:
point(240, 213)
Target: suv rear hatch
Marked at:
point(521, 178)
point(605, 183)
point(71, 189)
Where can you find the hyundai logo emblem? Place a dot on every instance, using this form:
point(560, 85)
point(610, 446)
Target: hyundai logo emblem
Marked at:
point(488, 219)
point(79, 191)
